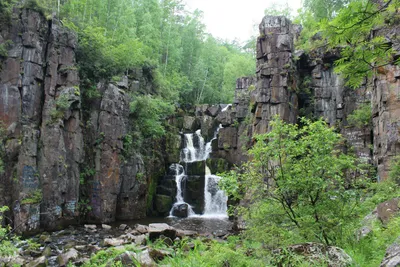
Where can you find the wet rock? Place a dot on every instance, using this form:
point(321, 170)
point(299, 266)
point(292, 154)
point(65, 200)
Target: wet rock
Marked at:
point(392, 256)
point(158, 229)
point(39, 262)
point(65, 258)
point(180, 210)
point(163, 204)
point(106, 227)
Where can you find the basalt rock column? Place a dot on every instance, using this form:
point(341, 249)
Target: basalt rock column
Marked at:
point(275, 74)
point(40, 109)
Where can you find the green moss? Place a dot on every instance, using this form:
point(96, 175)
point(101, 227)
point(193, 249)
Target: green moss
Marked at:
point(33, 197)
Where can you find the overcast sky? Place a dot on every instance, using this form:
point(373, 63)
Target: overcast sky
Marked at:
point(230, 19)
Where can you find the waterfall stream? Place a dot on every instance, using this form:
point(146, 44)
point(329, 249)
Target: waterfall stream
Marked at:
point(195, 149)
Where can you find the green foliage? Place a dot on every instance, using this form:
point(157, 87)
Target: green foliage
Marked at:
point(361, 117)
point(298, 184)
point(62, 105)
point(33, 197)
point(4, 48)
point(324, 9)
point(86, 174)
point(213, 253)
point(279, 9)
point(394, 174)
point(150, 112)
point(6, 10)
point(6, 246)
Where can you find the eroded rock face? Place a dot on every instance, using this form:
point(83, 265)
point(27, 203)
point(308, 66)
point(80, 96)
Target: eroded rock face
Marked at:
point(40, 108)
point(392, 256)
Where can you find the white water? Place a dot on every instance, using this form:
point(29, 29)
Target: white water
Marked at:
point(197, 150)
point(215, 199)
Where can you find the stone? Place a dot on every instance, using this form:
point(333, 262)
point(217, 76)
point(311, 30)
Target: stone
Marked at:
point(388, 210)
point(159, 254)
point(47, 252)
point(106, 226)
point(163, 204)
point(143, 229)
point(90, 226)
point(392, 255)
point(123, 227)
point(65, 258)
point(113, 242)
point(183, 233)
point(158, 229)
point(127, 259)
point(39, 262)
point(145, 260)
point(180, 210)
point(140, 240)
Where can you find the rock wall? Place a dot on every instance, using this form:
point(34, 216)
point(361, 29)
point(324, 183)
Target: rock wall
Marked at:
point(65, 156)
point(40, 109)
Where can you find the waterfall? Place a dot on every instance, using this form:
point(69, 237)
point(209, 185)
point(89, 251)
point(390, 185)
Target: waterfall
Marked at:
point(215, 199)
point(195, 149)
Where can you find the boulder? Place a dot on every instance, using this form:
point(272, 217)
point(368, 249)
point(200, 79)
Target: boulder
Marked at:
point(392, 256)
point(388, 209)
point(123, 227)
point(113, 242)
point(106, 227)
point(90, 226)
point(158, 229)
point(145, 260)
point(140, 240)
point(159, 254)
point(126, 259)
point(65, 258)
point(143, 229)
point(180, 210)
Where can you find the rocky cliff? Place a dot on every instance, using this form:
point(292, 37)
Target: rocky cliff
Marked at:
point(68, 157)
point(65, 158)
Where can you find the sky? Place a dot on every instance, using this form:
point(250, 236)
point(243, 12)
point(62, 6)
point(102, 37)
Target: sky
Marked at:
point(234, 19)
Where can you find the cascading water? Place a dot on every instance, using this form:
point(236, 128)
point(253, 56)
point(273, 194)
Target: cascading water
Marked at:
point(195, 149)
point(215, 199)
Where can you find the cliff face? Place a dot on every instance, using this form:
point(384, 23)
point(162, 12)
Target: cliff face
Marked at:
point(40, 109)
point(63, 160)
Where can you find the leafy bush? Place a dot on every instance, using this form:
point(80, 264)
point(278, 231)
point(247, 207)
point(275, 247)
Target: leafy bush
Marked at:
point(298, 182)
point(150, 112)
point(6, 246)
point(361, 117)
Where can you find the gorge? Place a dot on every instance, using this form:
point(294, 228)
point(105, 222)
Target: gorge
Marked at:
point(70, 158)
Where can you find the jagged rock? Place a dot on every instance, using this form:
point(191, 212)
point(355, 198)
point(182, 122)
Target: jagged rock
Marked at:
point(392, 256)
point(65, 258)
point(180, 210)
point(158, 229)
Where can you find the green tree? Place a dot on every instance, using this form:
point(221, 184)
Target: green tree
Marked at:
point(298, 183)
